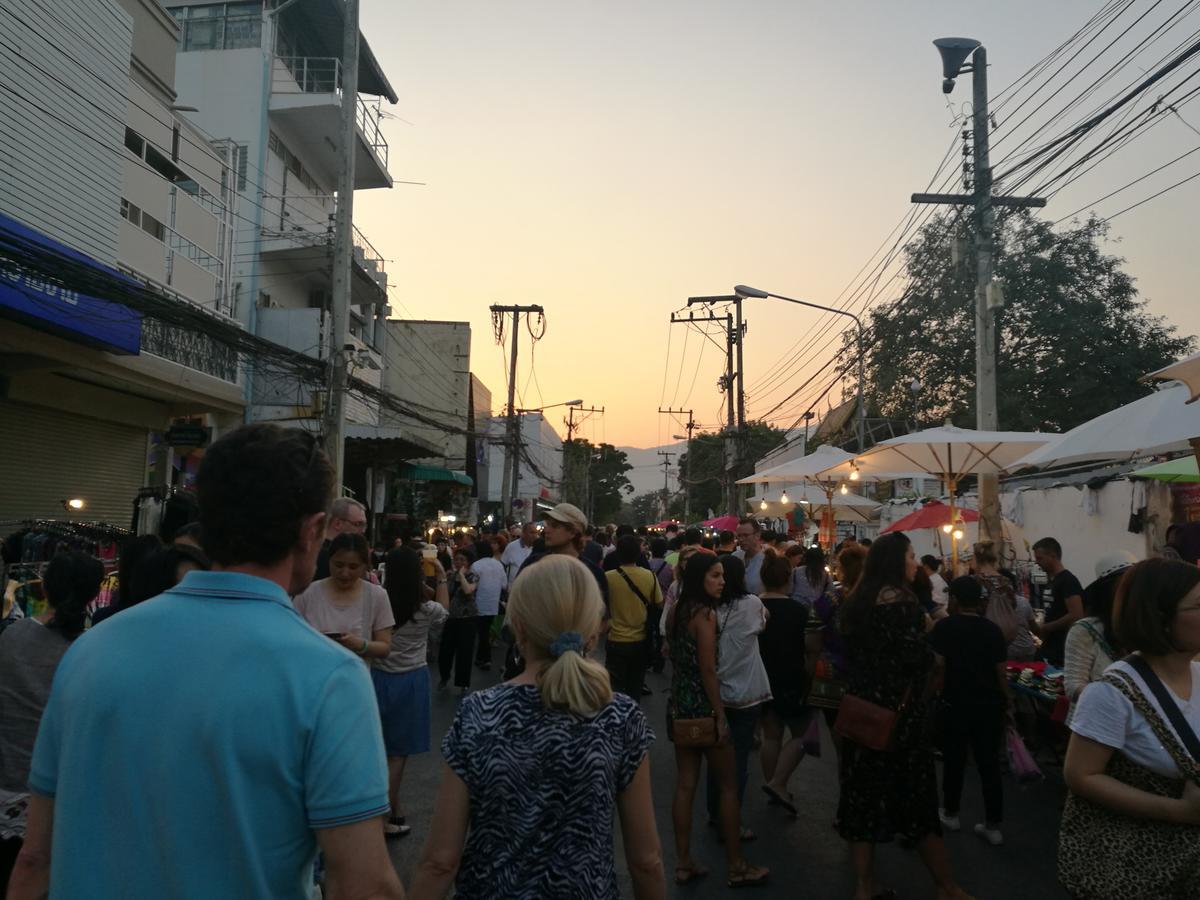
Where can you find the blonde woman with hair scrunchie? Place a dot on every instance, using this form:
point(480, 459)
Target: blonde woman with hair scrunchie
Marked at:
point(536, 767)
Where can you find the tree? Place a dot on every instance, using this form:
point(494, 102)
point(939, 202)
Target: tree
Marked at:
point(1073, 336)
point(644, 508)
point(594, 478)
point(702, 468)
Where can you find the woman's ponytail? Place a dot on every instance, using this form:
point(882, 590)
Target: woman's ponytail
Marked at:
point(558, 607)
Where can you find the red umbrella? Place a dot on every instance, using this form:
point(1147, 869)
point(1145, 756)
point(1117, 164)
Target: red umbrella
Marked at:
point(662, 526)
point(722, 523)
point(933, 514)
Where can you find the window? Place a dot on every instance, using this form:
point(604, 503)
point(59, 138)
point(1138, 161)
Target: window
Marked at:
point(134, 142)
point(130, 212)
point(153, 227)
point(220, 26)
point(275, 145)
point(241, 154)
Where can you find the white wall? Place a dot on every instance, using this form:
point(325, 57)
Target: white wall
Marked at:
point(63, 178)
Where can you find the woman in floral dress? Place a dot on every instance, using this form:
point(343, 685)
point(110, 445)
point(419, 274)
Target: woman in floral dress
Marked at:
point(885, 793)
point(696, 694)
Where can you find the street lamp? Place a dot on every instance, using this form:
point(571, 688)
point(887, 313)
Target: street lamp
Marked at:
point(745, 291)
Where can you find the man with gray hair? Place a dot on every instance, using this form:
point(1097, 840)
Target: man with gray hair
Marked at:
point(345, 514)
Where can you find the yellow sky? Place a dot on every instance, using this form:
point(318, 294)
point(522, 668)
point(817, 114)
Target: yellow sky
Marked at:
point(607, 160)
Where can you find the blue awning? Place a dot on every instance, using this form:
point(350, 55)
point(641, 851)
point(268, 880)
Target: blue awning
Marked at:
point(57, 307)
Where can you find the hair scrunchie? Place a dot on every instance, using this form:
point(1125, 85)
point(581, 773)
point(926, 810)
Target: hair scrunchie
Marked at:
point(567, 641)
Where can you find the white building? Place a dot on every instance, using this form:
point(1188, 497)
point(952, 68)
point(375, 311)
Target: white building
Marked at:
point(268, 77)
point(101, 165)
point(539, 483)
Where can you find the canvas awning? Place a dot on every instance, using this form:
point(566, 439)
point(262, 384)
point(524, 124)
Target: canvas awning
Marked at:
point(413, 472)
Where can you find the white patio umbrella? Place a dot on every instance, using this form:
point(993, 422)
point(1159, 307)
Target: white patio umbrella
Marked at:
point(948, 452)
point(807, 469)
point(1186, 370)
point(1163, 422)
point(846, 507)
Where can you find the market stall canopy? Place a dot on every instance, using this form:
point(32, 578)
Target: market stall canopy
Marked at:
point(721, 523)
point(1183, 469)
point(950, 452)
point(411, 472)
point(1163, 422)
point(846, 507)
point(662, 526)
point(1186, 370)
point(806, 467)
point(933, 514)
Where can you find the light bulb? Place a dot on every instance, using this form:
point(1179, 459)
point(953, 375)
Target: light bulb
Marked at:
point(76, 503)
point(854, 474)
point(763, 505)
point(783, 497)
point(958, 534)
point(947, 528)
point(845, 489)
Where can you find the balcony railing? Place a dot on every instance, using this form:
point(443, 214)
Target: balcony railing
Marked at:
point(323, 75)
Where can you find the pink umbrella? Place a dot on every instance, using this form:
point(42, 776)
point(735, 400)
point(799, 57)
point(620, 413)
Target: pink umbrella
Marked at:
point(722, 523)
point(933, 514)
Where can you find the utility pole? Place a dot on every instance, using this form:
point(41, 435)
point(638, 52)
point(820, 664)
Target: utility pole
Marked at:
point(954, 53)
point(334, 426)
point(512, 431)
point(735, 430)
point(571, 424)
point(666, 464)
point(690, 426)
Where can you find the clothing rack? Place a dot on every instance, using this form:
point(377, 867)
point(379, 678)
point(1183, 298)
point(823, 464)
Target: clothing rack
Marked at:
point(70, 528)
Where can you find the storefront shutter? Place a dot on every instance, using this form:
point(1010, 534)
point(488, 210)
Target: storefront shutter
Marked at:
point(47, 456)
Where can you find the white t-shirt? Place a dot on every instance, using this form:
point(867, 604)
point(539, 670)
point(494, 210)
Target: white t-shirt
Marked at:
point(409, 641)
point(1106, 716)
point(740, 668)
point(941, 591)
point(514, 556)
point(492, 580)
point(369, 612)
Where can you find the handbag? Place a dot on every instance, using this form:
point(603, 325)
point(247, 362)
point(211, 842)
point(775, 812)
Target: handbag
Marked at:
point(869, 724)
point(1106, 855)
point(1020, 760)
point(695, 733)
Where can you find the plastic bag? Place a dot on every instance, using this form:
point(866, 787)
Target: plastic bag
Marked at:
point(1020, 760)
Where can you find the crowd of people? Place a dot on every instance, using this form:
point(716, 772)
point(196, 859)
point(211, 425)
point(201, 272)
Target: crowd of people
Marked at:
point(256, 688)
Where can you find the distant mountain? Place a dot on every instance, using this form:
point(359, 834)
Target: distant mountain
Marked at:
point(647, 472)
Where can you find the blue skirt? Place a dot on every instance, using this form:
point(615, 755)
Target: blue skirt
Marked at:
point(404, 710)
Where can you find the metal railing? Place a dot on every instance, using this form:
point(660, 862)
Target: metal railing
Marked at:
point(323, 75)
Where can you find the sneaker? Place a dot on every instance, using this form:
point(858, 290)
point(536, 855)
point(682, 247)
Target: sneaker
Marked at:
point(949, 822)
point(991, 835)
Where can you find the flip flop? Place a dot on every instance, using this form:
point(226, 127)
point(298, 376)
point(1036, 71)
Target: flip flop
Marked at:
point(396, 831)
point(689, 873)
point(748, 876)
point(778, 799)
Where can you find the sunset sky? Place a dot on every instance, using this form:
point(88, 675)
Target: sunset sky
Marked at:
point(607, 160)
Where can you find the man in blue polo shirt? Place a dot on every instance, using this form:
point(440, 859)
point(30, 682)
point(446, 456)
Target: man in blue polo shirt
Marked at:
point(207, 742)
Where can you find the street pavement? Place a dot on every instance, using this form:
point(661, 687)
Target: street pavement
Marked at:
point(808, 860)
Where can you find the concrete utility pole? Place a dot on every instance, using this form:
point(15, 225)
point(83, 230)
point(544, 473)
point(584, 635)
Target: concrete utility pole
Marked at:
point(571, 424)
point(733, 431)
point(954, 53)
point(512, 430)
point(666, 464)
point(334, 426)
point(683, 485)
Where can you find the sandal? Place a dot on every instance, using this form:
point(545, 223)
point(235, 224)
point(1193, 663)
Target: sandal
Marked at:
point(391, 830)
point(747, 875)
point(780, 799)
point(687, 874)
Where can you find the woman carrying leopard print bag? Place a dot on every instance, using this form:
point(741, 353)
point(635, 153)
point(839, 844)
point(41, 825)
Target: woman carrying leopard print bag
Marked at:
point(1131, 827)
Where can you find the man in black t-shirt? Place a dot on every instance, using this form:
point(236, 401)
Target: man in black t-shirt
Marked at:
point(973, 652)
point(1066, 604)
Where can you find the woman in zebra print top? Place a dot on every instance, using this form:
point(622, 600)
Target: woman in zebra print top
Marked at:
point(536, 766)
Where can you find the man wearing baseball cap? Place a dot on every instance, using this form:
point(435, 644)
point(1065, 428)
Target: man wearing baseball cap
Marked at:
point(564, 528)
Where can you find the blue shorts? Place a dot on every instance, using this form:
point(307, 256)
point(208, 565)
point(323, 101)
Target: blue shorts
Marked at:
point(404, 710)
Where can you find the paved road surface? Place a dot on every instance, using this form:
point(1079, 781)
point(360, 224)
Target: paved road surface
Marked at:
point(807, 859)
